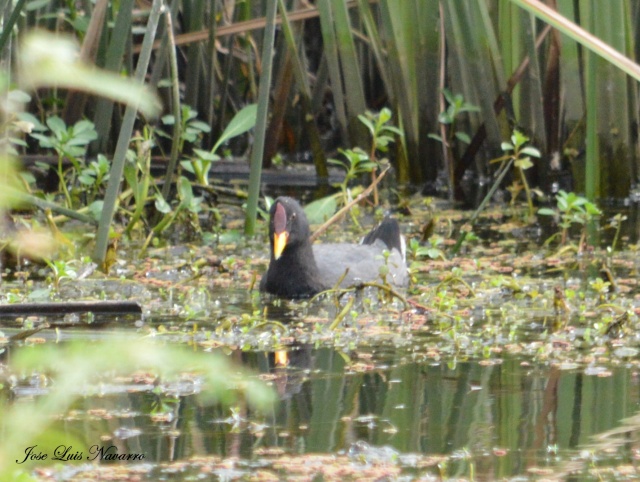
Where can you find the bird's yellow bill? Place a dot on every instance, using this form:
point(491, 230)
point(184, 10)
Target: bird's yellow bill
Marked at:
point(279, 243)
point(281, 358)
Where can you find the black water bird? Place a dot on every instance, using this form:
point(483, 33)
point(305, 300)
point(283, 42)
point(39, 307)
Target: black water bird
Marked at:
point(298, 269)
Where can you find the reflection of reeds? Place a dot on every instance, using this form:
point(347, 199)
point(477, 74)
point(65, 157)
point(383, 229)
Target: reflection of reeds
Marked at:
point(614, 442)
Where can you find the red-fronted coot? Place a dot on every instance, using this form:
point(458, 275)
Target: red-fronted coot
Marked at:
point(299, 269)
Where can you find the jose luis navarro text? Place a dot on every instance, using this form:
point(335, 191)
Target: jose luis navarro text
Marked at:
point(66, 453)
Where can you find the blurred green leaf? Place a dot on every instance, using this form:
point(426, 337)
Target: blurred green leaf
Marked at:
point(48, 60)
point(321, 209)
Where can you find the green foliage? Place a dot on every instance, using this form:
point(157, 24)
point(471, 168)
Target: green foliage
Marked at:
point(137, 173)
point(357, 163)
point(10, 185)
point(69, 142)
point(191, 131)
point(320, 210)
point(572, 209)
point(601, 287)
point(61, 270)
point(187, 204)
point(381, 133)
point(16, 123)
point(192, 128)
point(95, 175)
point(242, 122)
point(450, 118)
point(433, 251)
point(520, 154)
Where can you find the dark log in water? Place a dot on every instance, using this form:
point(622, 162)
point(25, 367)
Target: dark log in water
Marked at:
point(53, 309)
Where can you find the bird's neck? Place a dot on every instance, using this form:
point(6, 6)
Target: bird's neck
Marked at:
point(301, 275)
point(301, 260)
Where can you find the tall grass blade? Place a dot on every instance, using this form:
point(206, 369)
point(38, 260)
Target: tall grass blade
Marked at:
point(176, 109)
point(160, 60)
point(330, 52)
point(398, 34)
point(261, 123)
point(427, 50)
point(409, 56)
point(592, 170)
point(615, 119)
point(531, 108)
point(571, 73)
point(76, 101)
point(475, 65)
point(350, 66)
point(194, 20)
point(7, 28)
point(510, 40)
point(117, 167)
point(581, 36)
point(211, 82)
point(113, 61)
point(319, 159)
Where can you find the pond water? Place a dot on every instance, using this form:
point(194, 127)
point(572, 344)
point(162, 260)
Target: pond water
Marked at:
point(494, 420)
point(483, 377)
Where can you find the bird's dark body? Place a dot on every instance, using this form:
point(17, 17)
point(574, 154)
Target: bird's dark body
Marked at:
point(303, 269)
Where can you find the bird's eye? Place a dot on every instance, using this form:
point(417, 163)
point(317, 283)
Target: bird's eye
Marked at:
point(293, 216)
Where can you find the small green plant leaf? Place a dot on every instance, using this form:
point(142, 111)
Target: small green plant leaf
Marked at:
point(36, 125)
point(188, 166)
point(469, 108)
point(35, 5)
point(184, 189)
point(200, 126)
point(445, 118)
point(448, 95)
point(206, 155)
point(168, 120)
point(244, 120)
point(394, 129)
point(546, 212)
point(162, 205)
point(384, 116)
point(506, 146)
point(524, 163)
point(95, 208)
point(367, 123)
point(322, 209)
point(530, 151)
point(463, 137)
point(56, 124)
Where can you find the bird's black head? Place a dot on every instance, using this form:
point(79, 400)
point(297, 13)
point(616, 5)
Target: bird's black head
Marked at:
point(288, 226)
